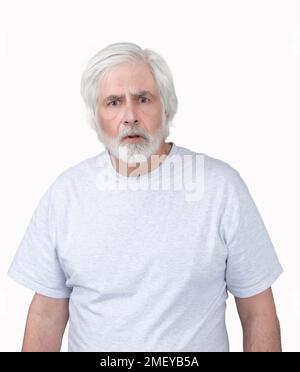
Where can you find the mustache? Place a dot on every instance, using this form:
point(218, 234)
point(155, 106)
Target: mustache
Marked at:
point(134, 132)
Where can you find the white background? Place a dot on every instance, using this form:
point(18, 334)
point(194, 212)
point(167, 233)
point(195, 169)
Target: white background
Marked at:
point(236, 71)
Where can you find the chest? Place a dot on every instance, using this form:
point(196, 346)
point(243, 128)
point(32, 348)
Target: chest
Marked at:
point(120, 241)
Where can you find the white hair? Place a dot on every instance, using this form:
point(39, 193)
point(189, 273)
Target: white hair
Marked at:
point(118, 53)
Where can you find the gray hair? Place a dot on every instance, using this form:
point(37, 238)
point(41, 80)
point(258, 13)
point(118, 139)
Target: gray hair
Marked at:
point(118, 53)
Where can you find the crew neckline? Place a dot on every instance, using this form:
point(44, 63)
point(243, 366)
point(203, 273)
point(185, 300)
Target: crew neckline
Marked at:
point(145, 176)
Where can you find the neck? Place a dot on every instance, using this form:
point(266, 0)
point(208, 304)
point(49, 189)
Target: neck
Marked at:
point(152, 162)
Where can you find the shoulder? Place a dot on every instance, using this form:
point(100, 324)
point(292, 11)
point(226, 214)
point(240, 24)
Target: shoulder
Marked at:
point(75, 177)
point(216, 171)
point(220, 171)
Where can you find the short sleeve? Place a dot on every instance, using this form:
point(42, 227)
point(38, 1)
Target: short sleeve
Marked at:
point(252, 263)
point(36, 264)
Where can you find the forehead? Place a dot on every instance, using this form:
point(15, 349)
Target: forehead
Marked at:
point(128, 76)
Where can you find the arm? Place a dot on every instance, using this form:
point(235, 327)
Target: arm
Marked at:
point(261, 330)
point(45, 325)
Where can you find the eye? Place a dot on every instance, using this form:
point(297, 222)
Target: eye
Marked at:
point(144, 99)
point(113, 103)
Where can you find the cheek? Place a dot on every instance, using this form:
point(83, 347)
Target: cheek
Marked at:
point(108, 116)
point(152, 111)
point(109, 122)
point(156, 120)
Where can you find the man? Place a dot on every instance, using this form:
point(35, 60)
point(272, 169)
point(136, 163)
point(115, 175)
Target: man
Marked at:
point(133, 258)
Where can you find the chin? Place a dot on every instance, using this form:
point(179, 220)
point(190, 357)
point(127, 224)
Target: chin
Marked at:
point(132, 154)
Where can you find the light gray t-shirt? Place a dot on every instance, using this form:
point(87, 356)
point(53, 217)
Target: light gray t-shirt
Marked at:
point(146, 261)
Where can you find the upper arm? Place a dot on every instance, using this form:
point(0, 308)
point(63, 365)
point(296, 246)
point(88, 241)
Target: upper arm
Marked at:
point(51, 308)
point(46, 322)
point(261, 304)
point(252, 264)
point(37, 263)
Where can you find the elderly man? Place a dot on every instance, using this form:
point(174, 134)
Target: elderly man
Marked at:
point(121, 247)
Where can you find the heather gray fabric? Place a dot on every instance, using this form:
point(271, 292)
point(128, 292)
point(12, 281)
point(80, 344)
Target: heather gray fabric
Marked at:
point(147, 270)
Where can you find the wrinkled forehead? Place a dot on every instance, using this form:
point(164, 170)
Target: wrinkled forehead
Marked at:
point(133, 77)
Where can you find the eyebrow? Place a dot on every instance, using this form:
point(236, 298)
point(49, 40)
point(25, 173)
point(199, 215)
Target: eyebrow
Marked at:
point(113, 97)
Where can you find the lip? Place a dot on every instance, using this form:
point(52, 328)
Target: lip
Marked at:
point(133, 139)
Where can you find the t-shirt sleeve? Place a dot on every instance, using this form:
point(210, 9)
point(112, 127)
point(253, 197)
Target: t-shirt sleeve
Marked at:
point(36, 264)
point(252, 263)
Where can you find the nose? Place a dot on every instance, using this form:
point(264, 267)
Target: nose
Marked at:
point(130, 116)
point(131, 122)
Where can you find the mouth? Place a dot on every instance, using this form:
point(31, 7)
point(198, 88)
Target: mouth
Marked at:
point(133, 138)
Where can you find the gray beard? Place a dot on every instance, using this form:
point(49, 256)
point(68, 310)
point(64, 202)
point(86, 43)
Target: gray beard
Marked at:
point(132, 153)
